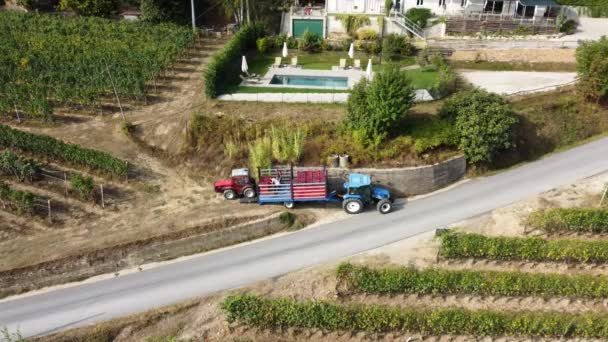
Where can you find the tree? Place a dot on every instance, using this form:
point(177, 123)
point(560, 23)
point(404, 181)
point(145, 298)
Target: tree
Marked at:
point(157, 11)
point(484, 122)
point(592, 67)
point(97, 8)
point(375, 108)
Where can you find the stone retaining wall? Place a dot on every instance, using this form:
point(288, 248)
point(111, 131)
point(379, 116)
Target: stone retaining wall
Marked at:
point(411, 180)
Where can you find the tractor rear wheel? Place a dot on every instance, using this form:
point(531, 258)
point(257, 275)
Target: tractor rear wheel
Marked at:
point(353, 206)
point(229, 194)
point(249, 193)
point(384, 206)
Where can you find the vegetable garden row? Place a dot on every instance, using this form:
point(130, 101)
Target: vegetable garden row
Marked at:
point(49, 59)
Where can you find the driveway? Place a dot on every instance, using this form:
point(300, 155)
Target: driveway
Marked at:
point(511, 82)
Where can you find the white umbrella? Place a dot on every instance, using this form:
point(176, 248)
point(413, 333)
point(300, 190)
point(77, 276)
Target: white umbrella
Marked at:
point(285, 50)
point(244, 66)
point(368, 71)
point(351, 51)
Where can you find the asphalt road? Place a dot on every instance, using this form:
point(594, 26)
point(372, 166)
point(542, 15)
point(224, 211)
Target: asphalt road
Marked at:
point(230, 268)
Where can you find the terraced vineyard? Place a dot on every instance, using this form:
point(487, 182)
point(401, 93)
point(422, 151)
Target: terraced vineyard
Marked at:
point(50, 60)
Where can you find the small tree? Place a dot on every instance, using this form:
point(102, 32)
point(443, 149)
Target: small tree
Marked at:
point(83, 185)
point(592, 67)
point(374, 109)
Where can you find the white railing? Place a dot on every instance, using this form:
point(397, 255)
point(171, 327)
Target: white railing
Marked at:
point(305, 11)
point(401, 20)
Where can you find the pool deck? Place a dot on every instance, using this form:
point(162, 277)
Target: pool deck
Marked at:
point(353, 76)
point(421, 96)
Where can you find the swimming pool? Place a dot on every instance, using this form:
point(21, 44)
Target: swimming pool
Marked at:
point(310, 81)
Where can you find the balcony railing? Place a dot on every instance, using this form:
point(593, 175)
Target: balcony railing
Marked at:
point(544, 21)
point(307, 11)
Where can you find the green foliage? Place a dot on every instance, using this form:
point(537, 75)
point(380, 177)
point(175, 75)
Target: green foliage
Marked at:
point(592, 8)
point(286, 313)
point(582, 220)
point(388, 5)
point(98, 8)
point(455, 245)
point(21, 201)
point(395, 280)
point(311, 42)
point(264, 44)
point(287, 144)
point(159, 11)
point(225, 67)
point(395, 46)
point(384, 102)
point(46, 147)
point(287, 219)
point(568, 26)
point(260, 153)
point(44, 56)
point(30, 4)
point(353, 22)
point(446, 79)
point(83, 186)
point(592, 67)
point(18, 167)
point(367, 34)
point(484, 121)
point(419, 16)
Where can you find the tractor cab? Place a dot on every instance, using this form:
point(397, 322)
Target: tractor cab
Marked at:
point(240, 184)
point(360, 193)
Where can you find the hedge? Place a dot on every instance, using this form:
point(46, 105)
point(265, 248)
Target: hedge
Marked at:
point(22, 201)
point(47, 147)
point(393, 280)
point(586, 220)
point(225, 67)
point(286, 313)
point(591, 3)
point(456, 245)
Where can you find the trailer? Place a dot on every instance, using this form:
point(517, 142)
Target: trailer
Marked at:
point(288, 185)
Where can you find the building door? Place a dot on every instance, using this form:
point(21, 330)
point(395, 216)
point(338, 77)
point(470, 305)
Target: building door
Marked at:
point(302, 25)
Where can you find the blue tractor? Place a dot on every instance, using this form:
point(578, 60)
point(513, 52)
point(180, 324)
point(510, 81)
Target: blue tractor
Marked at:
point(361, 193)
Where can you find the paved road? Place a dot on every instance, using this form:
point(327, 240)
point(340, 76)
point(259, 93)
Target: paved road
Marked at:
point(69, 307)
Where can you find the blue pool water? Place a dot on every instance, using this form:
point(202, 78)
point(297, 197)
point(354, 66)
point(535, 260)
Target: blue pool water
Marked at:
point(310, 81)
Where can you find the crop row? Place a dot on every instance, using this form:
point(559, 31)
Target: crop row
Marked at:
point(458, 245)
point(285, 313)
point(22, 201)
point(582, 220)
point(47, 147)
point(44, 57)
point(393, 280)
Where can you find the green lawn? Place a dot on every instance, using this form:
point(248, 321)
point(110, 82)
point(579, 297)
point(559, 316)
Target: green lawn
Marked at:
point(422, 79)
point(256, 90)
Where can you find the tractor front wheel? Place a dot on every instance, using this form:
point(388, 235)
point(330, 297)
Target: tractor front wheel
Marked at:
point(353, 206)
point(249, 193)
point(384, 206)
point(229, 194)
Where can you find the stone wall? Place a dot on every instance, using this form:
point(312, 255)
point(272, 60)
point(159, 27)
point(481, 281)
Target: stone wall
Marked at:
point(114, 259)
point(517, 55)
point(411, 180)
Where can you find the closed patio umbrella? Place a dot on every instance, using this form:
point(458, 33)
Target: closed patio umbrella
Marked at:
point(368, 71)
point(285, 50)
point(351, 51)
point(244, 66)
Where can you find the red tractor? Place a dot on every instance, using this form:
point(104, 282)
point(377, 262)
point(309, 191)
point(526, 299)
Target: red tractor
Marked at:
point(240, 184)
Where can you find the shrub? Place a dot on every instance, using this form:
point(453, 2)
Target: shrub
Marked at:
point(367, 34)
point(18, 167)
point(224, 69)
point(287, 219)
point(263, 44)
point(260, 153)
point(158, 11)
point(31, 4)
point(353, 22)
point(310, 42)
point(286, 313)
point(97, 8)
point(374, 108)
point(287, 144)
point(22, 201)
point(57, 150)
point(568, 26)
point(83, 186)
point(476, 97)
point(456, 245)
point(394, 280)
point(446, 78)
point(388, 5)
point(420, 16)
point(592, 67)
point(394, 46)
point(588, 220)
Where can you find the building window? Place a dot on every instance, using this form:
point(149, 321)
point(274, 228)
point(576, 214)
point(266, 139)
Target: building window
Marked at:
point(463, 3)
point(493, 7)
point(419, 2)
point(441, 2)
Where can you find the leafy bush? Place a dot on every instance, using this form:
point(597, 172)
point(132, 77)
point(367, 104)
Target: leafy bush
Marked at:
point(419, 16)
point(158, 11)
point(374, 108)
point(83, 186)
point(394, 46)
point(264, 44)
point(568, 26)
point(311, 42)
point(98, 8)
point(31, 4)
point(456, 245)
point(592, 67)
point(446, 78)
point(287, 218)
point(260, 153)
point(353, 22)
point(57, 150)
point(476, 97)
point(18, 167)
point(224, 70)
point(588, 220)
point(286, 313)
point(393, 280)
point(367, 34)
point(287, 144)
point(22, 201)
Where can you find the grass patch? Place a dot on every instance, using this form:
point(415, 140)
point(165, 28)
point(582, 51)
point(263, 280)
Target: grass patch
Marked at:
point(582, 220)
point(286, 90)
point(422, 79)
point(513, 66)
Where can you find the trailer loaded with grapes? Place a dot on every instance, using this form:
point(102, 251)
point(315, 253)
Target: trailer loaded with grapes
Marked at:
point(290, 185)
